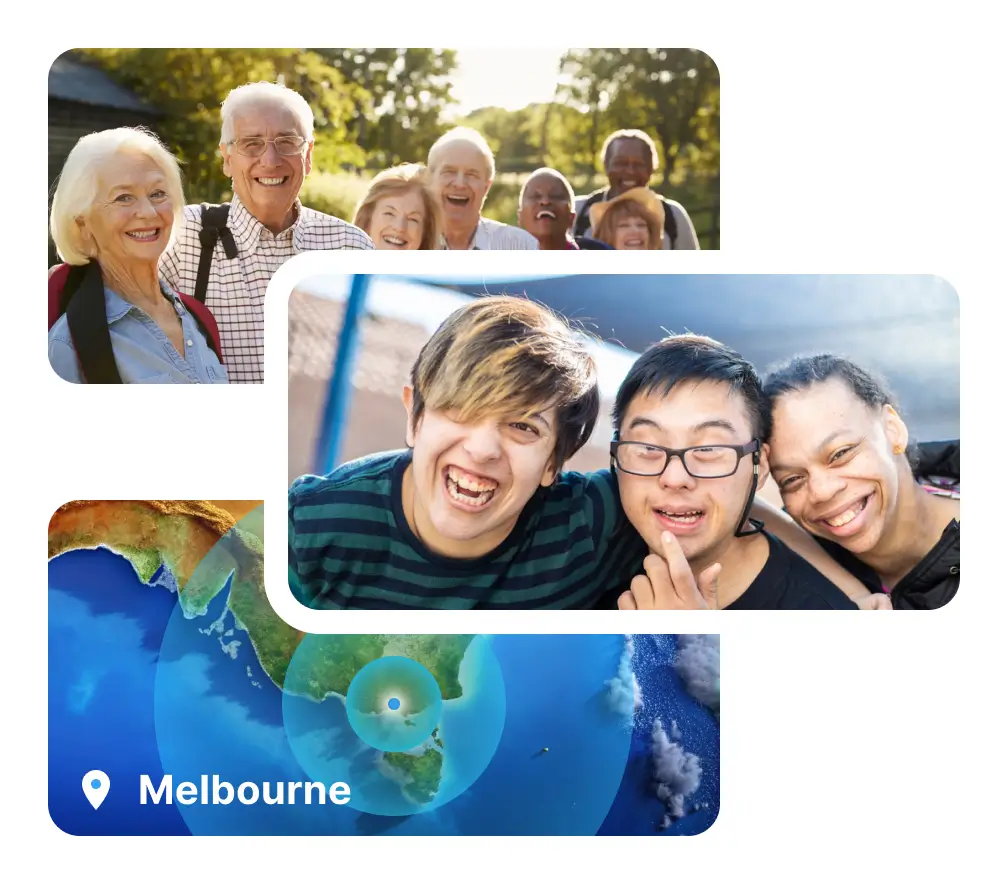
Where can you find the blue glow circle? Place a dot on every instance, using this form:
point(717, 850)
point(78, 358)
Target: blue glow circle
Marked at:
point(413, 690)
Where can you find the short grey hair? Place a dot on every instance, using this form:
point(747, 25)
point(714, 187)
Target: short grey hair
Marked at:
point(78, 184)
point(630, 135)
point(555, 174)
point(467, 136)
point(242, 99)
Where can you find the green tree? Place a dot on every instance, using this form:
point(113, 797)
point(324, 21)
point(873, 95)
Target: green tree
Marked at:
point(673, 94)
point(189, 85)
point(403, 94)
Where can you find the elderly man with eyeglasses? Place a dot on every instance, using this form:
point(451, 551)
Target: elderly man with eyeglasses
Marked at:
point(266, 144)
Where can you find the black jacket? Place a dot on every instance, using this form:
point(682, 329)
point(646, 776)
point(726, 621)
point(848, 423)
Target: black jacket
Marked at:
point(934, 580)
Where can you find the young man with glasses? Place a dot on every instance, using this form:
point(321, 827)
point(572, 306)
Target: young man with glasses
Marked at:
point(266, 145)
point(689, 456)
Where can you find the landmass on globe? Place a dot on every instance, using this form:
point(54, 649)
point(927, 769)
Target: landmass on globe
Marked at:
point(180, 534)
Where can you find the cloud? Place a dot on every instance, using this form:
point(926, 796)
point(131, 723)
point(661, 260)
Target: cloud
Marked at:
point(698, 663)
point(624, 691)
point(676, 771)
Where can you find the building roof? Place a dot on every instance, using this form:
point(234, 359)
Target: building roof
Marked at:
point(71, 80)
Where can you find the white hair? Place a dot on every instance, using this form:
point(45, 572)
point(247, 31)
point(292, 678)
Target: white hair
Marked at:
point(79, 181)
point(546, 170)
point(252, 95)
point(467, 136)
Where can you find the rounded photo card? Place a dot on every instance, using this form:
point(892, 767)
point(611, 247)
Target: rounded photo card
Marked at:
point(180, 703)
point(630, 441)
point(173, 201)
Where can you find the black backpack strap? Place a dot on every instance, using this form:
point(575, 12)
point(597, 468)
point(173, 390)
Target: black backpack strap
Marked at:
point(583, 222)
point(671, 228)
point(213, 226)
point(89, 331)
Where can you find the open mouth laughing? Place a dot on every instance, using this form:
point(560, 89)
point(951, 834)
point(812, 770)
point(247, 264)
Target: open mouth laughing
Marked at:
point(469, 491)
point(848, 519)
point(272, 182)
point(545, 213)
point(635, 242)
point(457, 201)
point(393, 241)
point(679, 520)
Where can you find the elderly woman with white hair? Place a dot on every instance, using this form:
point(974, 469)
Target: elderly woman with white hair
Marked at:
point(112, 319)
point(461, 167)
point(226, 255)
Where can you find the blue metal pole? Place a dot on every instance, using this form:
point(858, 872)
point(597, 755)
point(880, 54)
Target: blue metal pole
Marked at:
point(341, 383)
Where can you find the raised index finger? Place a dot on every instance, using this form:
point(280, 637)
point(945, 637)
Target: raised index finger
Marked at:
point(679, 569)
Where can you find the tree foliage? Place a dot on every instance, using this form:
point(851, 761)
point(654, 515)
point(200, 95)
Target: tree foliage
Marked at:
point(402, 96)
point(672, 94)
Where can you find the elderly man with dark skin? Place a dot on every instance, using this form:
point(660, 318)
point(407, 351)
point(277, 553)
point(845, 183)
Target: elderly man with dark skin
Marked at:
point(630, 159)
point(546, 210)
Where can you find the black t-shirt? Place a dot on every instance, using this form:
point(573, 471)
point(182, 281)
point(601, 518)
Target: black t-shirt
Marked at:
point(786, 582)
point(789, 583)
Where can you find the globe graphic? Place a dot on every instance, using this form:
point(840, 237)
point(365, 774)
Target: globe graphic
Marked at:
point(149, 678)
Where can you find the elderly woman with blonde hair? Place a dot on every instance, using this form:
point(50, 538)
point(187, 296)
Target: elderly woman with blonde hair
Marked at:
point(400, 210)
point(111, 317)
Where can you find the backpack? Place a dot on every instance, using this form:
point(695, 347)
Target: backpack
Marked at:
point(583, 222)
point(213, 226)
point(78, 292)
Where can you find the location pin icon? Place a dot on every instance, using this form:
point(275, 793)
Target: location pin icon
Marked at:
point(96, 786)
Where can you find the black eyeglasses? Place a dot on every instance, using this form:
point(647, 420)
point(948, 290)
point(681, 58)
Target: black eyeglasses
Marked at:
point(286, 145)
point(700, 461)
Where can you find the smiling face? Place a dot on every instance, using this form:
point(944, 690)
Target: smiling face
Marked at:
point(630, 229)
point(702, 513)
point(397, 222)
point(267, 185)
point(469, 482)
point(132, 215)
point(628, 165)
point(832, 458)
point(546, 210)
point(462, 180)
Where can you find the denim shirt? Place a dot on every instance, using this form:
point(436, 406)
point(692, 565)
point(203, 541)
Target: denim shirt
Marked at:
point(142, 351)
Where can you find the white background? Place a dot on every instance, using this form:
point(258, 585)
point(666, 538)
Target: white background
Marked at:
point(857, 137)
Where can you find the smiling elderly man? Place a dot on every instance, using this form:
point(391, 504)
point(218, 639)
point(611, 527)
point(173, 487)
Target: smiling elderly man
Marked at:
point(266, 144)
point(461, 166)
point(630, 158)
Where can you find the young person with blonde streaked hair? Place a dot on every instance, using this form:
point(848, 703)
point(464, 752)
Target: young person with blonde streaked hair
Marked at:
point(117, 208)
point(400, 210)
point(475, 513)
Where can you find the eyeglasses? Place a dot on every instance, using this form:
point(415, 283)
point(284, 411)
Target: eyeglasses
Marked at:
point(700, 461)
point(286, 145)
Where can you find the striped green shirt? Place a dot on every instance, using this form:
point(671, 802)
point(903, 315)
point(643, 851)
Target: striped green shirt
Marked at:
point(350, 546)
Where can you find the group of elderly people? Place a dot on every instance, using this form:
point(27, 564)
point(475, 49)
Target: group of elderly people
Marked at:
point(183, 288)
